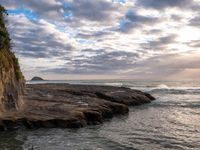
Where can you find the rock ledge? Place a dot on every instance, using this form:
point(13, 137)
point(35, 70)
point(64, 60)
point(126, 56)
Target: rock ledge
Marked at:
point(71, 106)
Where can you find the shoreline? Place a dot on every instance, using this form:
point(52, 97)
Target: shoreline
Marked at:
point(65, 105)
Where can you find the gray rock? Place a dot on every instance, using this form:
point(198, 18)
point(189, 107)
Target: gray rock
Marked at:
point(72, 106)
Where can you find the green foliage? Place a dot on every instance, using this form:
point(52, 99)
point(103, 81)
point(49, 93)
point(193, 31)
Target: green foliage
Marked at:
point(7, 58)
point(8, 61)
point(4, 36)
point(18, 73)
point(4, 61)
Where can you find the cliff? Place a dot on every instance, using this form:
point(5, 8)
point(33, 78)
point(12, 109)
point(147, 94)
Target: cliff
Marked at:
point(11, 78)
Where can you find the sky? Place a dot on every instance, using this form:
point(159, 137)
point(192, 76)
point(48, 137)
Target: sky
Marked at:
point(106, 39)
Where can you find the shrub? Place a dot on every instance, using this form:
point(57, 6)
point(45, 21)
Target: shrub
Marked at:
point(7, 58)
point(4, 35)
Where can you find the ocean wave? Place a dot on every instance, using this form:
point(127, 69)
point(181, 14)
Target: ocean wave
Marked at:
point(176, 90)
point(114, 84)
point(192, 104)
point(162, 86)
point(164, 89)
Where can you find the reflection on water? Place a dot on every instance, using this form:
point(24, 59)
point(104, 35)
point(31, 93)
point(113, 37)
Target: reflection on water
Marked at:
point(170, 122)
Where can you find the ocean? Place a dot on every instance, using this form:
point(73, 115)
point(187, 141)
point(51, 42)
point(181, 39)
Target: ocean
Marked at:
point(172, 122)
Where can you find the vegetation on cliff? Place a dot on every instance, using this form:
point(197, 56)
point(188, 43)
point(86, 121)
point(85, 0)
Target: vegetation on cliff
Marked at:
point(7, 58)
point(4, 36)
point(11, 79)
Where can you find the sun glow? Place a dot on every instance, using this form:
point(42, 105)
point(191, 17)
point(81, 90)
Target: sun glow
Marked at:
point(188, 34)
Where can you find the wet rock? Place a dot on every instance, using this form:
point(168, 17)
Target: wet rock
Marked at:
point(72, 106)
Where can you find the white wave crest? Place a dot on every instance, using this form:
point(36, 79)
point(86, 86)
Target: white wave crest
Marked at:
point(114, 84)
point(162, 86)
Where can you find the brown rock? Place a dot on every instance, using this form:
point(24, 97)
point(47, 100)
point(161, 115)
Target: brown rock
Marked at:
point(72, 106)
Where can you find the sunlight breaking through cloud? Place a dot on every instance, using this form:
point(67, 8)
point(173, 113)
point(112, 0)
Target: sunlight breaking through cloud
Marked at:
point(120, 38)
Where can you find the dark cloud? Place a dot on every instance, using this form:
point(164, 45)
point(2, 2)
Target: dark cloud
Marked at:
point(133, 20)
point(41, 51)
point(45, 9)
point(153, 32)
point(161, 4)
point(176, 17)
point(94, 10)
point(161, 43)
point(196, 7)
point(36, 40)
point(194, 43)
point(42, 9)
point(9, 3)
point(104, 62)
point(195, 21)
point(98, 35)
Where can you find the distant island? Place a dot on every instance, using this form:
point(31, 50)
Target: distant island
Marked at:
point(37, 79)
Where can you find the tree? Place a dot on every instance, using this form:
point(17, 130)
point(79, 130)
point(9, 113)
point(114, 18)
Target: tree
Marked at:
point(4, 35)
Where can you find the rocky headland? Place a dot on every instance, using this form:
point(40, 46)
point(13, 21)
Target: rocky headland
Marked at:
point(71, 106)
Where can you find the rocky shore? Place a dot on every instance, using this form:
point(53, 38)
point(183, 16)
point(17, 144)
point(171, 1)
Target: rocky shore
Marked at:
point(71, 106)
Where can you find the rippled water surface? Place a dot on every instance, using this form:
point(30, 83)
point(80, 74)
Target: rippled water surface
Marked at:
point(170, 122)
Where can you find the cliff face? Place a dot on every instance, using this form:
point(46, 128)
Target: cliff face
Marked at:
point(11, 78)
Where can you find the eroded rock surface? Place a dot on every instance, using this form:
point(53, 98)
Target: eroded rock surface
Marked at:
point(72, 106)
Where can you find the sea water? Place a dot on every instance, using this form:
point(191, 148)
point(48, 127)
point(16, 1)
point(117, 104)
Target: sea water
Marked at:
point(172, 122)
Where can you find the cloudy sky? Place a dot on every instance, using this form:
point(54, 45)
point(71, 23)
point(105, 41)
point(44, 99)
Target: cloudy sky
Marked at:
point(106, 39)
